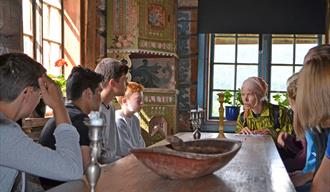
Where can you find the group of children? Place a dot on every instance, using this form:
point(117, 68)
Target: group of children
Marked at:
point(63, 153)
point(305, 149)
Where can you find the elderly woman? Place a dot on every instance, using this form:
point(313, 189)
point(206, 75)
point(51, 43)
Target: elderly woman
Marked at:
point(260, 116)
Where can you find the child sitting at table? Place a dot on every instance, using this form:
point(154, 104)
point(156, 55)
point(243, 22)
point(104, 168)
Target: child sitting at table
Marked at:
point(292, 149)
point(113, 84)
point(128, 124)
point(83, 95)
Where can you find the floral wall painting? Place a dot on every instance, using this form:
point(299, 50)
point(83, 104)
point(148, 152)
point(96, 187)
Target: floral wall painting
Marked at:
point(156, 16)
point(154, 72)
point(123, 41)
point(141, 26)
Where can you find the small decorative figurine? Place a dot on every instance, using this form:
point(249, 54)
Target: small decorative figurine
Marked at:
point(196, 116)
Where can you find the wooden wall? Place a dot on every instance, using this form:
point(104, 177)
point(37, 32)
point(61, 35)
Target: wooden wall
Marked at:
point(11, 37)
point(187, 50)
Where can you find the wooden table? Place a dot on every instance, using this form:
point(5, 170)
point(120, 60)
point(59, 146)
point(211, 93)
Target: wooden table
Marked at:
point(257, 167)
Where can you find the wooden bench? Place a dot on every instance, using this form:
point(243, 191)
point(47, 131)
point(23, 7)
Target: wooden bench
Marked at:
point(33, 126)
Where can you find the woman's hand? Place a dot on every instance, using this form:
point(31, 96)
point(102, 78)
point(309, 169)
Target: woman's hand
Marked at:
point(281, 138)
point(246, 131)
point(262, 132)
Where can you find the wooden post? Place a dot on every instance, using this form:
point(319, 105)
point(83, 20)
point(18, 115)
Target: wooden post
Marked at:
point(221, 115)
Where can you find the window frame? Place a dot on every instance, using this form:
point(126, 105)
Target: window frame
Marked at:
point(37, 28)
point(206, 56)
point(212, 63)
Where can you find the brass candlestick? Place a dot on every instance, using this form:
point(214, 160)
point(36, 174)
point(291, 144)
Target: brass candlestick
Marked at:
point(221, 115)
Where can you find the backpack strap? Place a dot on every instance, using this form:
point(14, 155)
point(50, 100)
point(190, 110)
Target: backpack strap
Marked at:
point(241, 119)
point(276, 114)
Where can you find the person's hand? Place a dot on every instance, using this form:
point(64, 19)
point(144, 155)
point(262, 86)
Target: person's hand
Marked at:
point(262, 132)
point(298, 178)
point(281, 138)
point(50, 92)
point(52, 97)
point(246, 131)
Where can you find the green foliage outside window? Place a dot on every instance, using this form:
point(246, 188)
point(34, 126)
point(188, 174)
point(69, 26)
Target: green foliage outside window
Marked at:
point(281, 99)
point(229, 99)
point(60, 81)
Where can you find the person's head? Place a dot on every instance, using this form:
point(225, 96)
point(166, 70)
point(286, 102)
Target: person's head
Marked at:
point(19, 75)
point(253, 91)
point(114, 74)
point(292, 90)
point(132, 101)
point(313, 94)
point(84, 84)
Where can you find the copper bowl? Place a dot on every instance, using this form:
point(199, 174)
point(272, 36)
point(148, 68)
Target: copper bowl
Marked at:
point(197, 158)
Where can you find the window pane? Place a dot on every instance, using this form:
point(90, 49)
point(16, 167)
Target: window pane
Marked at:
point(302, 49)
point(305, 35)
point(247, 50)
point(56, 27)
point(245, 71)
point(215, 104)
point(297, 68)
point(282, 53)
point(279, 76)
point(28, 45)
point(223, 77)
point(52, 23)
point(46, 52)
point(27, 17)
point(224, 50)
point(282, 35)
point(54, 3)
point(45, 21)
point(224, 35)
point(52, 52)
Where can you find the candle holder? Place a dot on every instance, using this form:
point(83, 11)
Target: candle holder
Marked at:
point(221, 97)
point(196, 116)
point(95, 123)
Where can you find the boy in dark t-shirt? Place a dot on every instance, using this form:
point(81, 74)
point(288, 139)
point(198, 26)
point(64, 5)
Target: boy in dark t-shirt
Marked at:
point(83, 94)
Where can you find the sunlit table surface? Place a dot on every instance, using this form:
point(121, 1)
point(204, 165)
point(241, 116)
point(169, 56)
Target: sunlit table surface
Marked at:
point(257, 167)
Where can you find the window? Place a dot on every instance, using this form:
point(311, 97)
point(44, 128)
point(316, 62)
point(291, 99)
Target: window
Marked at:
point(288, 52)
point(43, 32)
point(235, 57)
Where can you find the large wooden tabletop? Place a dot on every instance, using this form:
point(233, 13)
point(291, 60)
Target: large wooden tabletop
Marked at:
point(257, 167)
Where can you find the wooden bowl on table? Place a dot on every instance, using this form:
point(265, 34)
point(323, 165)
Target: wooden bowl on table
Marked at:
point(190, 159)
